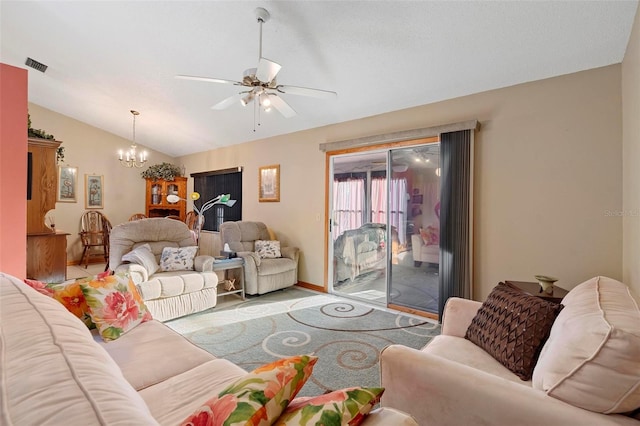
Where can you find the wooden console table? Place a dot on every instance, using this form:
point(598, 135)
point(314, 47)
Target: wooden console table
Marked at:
point(47, 259)
point(534, 289)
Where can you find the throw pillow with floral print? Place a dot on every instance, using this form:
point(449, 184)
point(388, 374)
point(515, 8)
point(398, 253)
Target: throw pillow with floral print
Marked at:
point(342, 407)
point(70, 294)
point(178, 258)
point(115, 305)
point(268, 249)
point(258, 398)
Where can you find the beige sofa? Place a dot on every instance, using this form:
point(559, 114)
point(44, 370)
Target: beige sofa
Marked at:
point(53, 371)
point(588, 372)
point(169, 294)
point(260, 275)
point(424, 253)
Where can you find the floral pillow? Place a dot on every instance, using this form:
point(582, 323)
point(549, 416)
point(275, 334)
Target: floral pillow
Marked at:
point(258, 398)
point(142, 255)
point(178, 258)
point(430, 235)
point(115, 305)
point(268, 249)
point(342, 407)
point(70, 294)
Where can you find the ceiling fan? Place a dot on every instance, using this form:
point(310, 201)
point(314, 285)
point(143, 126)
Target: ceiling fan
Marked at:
point(260, 83)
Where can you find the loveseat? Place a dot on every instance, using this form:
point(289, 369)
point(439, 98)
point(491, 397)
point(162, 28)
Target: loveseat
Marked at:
point(587, 373)
point(54, 371)
point(187, 288)
point(273, 269)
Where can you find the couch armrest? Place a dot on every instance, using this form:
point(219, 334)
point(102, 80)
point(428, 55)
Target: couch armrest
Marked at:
point(442, 392)
point(203, 263)
point(137, 272)
point(290, 252)
point(457, 315)
point(385, 416)
point(250, 258)
point(416, 241)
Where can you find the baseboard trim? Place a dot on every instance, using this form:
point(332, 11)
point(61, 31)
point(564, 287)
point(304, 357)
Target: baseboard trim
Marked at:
point(310, 286)
point(414, 311)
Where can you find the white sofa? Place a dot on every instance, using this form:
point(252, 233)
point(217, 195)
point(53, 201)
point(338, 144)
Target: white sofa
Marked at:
point(54, 371)
point(169, 294)
point(588, 372)
point(424, 253)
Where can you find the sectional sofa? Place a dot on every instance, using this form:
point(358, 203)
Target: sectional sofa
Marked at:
point(54, 371)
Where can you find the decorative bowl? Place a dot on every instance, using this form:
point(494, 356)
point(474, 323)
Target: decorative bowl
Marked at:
point(546, 283)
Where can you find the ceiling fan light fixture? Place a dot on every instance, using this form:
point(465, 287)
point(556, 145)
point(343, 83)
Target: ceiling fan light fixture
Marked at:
point(264, 100)
point(247, 99)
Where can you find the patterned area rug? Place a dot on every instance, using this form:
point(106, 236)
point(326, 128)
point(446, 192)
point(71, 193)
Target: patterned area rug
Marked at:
point(347, 336)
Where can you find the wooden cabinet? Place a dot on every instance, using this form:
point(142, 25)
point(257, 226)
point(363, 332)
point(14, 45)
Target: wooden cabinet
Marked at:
point(157, 204)
point(47, 257)
point(46, 248)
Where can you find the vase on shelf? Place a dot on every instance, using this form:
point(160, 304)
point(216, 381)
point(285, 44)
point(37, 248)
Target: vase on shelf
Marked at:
point(546, 283)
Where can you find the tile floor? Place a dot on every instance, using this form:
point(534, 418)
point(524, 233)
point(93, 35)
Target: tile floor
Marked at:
point(78, 271)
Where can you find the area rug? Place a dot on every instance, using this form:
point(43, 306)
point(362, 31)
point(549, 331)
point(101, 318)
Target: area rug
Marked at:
point(347, 336)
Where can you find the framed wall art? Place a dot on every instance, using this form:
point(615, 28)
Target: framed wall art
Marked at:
point(67, 184)
point(93, 192)
point(269, 183)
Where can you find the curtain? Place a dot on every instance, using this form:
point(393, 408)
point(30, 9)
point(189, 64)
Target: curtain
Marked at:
point(348, 204)
point(397, 201)
point(455, 262)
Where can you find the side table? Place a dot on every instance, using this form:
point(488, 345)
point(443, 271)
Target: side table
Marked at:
point(226, 265)
point(534, 289)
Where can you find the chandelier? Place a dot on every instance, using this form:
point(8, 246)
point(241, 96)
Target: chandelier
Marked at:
point(131, 158)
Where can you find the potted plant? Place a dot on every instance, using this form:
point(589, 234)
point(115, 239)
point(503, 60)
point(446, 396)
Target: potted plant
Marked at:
point(164, 171)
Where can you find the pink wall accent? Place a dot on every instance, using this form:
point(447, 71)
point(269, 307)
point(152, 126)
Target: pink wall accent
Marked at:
point(13, 170)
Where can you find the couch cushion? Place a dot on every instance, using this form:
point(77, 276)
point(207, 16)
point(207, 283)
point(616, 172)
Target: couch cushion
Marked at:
point(69, 293)
point(512, 326)
point(172, 400)
point(592, 357)
point(276, 266)
point(175, 283)
point(68, 379)
point(142, 355)
point(464, 352)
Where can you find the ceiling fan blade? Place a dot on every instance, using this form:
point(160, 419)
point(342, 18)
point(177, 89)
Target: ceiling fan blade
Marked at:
point(226, 103)
point(283, 108)
point(208, 79)
point(267, 70)
point(306, 91)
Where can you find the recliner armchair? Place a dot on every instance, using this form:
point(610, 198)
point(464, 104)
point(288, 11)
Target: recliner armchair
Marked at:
point(260, 275)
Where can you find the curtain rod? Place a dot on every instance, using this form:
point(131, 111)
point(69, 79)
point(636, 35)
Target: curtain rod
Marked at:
point(404, 135)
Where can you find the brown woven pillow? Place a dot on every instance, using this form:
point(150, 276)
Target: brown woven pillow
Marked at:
point(512, 327)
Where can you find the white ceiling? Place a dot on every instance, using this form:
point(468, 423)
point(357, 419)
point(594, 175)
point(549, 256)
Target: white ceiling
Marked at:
point(108, 57)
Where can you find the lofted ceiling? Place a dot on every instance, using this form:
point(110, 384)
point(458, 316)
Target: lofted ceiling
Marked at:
point(107, 57)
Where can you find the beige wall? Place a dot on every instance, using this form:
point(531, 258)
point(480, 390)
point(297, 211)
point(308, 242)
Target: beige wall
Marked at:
point(547, 170)
point(631, 159)
point(93, 151)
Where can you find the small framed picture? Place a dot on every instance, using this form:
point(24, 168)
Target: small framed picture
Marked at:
point(93, 192)
point(269, 183)
point(67, 184)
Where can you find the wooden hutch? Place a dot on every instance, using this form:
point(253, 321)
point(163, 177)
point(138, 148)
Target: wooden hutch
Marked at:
point(46, 247)
point(156, 203)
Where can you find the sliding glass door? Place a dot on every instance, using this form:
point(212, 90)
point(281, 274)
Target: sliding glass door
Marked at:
point(414, 219)
point(384, 227)
point(358, 231)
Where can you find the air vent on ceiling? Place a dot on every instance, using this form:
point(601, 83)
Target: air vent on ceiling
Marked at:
point(36, 65)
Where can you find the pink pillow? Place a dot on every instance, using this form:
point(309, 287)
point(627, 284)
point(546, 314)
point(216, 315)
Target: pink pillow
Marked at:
point(430, 235)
